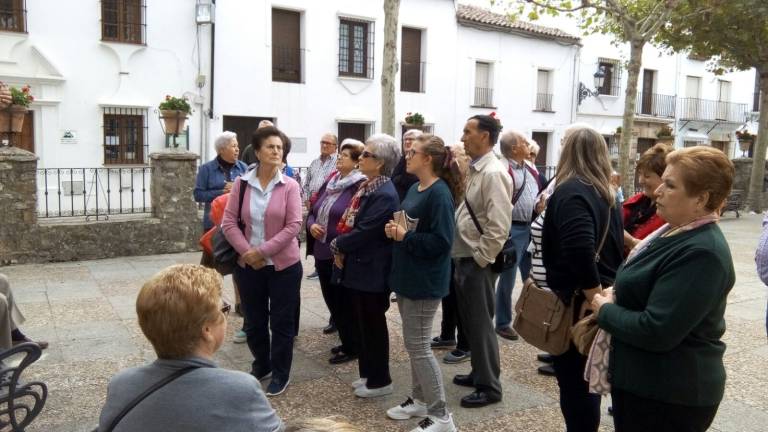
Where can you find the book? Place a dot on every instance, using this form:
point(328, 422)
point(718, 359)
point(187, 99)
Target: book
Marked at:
point(402, 219)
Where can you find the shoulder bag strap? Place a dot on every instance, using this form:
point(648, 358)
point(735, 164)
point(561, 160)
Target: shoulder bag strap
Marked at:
point(472, 215)
point(148, 392)
point(605, 235)
point(522, 188)
point(243, 187)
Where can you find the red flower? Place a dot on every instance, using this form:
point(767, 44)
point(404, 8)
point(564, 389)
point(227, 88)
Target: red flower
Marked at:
point(167, 97)
point(493, 114)
point(25, 89)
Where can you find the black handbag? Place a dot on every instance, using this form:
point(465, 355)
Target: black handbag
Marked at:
point(224, 255)
point(507, 258)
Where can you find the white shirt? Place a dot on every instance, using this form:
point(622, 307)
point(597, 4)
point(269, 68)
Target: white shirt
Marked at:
point(258, 205)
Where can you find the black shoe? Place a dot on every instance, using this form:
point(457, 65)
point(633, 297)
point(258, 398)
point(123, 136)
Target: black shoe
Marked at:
point(277, 386)
point(507, 333)
point(438, 342)
point(479, 399)
point(336, 349)
point(544, 358)
point(342, 358)
point(610, 410)
point(546, 370)
point(330, 328)
point(464, 380)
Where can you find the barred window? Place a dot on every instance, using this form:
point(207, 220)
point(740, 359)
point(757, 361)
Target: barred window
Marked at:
point(123, 21)
point(13, 16)
point(356, 48)
point(612, 84)
point(125, 136)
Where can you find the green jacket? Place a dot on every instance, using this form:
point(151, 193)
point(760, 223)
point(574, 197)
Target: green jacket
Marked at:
point(667, 321)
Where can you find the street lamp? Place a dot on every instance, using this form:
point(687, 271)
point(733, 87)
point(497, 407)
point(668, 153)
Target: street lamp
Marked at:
point(599, 80)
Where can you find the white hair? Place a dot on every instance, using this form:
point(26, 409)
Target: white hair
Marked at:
point(412, 133)
point(533, 146)
point(351, 141)
point(387, 151)
point(223, 140)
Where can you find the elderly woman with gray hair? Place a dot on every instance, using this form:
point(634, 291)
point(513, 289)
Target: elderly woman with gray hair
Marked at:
point(363, 258)
point(402, 179)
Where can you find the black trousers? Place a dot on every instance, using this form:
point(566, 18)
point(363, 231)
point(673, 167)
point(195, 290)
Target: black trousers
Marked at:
point(339, 305)
point(450, 325)
point(580, 408)
point(369, 311)
point(269, 300)
point(632, 413)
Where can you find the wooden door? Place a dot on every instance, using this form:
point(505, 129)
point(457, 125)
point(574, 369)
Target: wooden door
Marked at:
point(410, 75)
point(647, 98)
point(542, 139)
point(352, 130)
point(286, 46)
point(244, 128)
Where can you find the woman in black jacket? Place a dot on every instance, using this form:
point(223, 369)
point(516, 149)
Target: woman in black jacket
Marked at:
point(566, 238)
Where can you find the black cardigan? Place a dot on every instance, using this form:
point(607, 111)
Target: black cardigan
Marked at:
point(573, 226)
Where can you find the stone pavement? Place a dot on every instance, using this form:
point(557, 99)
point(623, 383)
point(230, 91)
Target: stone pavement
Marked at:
point(86, 310)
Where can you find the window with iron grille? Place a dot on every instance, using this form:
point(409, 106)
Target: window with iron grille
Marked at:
point(123, 21)
point(125, 136)
point(612, 84)
point(356, 48)
point(13, 16)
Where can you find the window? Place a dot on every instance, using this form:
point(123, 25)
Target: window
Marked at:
point(543, 91)
point(542, 139)
point(358, 131)
point(123, 21)
point(411, 66)
point(612, 84)
point(483, 85)
point(125, 136)
point(287, 55)
point(355, 48)
point(13, 16)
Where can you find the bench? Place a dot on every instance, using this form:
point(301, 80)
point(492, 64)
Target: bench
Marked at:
point(734, 203)
point(20, 403)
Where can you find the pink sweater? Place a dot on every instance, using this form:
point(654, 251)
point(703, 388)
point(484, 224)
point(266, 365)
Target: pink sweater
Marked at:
point(282, 221)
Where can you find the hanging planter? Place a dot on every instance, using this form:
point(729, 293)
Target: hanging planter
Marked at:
point(664, 135)
point(12, 115)
point(174, 112)
point(414, 121)
point(746, 140)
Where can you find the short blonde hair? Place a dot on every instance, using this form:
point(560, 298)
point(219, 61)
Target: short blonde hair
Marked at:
point(174, 305)
point(704, 170)
point(327, 424)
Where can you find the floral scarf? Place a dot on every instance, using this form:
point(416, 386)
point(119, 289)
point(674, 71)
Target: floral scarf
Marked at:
point(333, 189)
point(596, 372)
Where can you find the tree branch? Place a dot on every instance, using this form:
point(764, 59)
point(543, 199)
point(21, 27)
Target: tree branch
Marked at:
point(584, 5)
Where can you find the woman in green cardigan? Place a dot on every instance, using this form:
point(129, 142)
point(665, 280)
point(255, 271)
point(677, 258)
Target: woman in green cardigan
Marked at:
point(421, 267)
point(666, 321)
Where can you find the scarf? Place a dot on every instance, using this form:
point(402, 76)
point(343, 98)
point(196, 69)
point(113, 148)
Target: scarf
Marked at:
point(226, 167)
point(598, 362)
point(333, 189)
point(347, 221)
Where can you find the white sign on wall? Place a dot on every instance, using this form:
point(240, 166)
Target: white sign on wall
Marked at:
point(68, 136)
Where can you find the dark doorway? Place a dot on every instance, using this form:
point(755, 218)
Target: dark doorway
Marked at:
point(643, 144)
point(542, 139)
point(647, 94)
point(358, 131)
point(411, 66)
point(244, 128)
point(26, 139)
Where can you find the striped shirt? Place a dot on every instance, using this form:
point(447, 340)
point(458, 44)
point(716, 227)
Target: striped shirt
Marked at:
point(317, 173)
point(538, 272)
point(522, 178)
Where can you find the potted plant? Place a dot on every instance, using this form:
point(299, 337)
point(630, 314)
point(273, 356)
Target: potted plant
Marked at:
point(746, 139)
point(414, 119)
point(174, 112)
point(664, 135)
point(12, 115)
point(618, 131)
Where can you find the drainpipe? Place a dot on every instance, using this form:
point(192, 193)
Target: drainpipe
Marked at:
point(576, 81)
point(213, 62)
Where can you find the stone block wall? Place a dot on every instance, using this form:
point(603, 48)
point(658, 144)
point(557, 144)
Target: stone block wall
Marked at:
point(743, 172)
point(174, 225)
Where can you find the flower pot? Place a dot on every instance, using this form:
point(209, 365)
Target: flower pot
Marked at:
point(12, 118)
point(744, 145)
point(174, 121)
point(409, 126)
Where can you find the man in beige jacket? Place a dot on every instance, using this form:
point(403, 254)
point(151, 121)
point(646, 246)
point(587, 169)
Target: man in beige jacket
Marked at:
point(489, 197)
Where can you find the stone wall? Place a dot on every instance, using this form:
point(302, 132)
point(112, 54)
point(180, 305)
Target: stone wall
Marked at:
point(174, 225)
point(743, 172)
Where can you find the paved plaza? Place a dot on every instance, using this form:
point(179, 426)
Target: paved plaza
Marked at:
point(86, 310)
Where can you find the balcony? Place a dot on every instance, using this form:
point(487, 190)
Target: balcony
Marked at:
point(412, 77)
point(711, 110)
point(543, 102)
point(286, 64)
point(656, 105)
point(483, 97)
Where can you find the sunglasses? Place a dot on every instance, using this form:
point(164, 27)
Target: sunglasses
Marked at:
point(366, 154)
point(226, 307)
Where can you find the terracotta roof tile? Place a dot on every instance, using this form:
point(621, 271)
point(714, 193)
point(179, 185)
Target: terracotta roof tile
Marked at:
point(484, 17)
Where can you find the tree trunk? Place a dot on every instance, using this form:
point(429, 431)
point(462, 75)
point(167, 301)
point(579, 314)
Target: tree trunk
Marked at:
point(389, 70)
point(630, 100)
point(756, 180)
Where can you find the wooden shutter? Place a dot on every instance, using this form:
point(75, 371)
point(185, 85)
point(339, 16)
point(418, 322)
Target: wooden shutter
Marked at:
point(411, 67)
point(286, 46)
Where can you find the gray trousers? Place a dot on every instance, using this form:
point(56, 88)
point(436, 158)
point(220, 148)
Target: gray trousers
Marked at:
point(426, 377)
point(475, 298)
point(10, 315)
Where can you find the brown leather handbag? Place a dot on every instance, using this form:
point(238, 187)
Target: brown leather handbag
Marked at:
point(542, 319)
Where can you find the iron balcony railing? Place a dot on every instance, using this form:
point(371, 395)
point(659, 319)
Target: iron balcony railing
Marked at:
point(93, 192)
point(712, 110)
point(483, 97)
point(544, 102)
point(287, 64)
point(656, 105)
point(412, 76)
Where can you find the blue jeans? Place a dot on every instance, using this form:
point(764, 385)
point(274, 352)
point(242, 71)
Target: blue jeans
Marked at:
point(521, 236)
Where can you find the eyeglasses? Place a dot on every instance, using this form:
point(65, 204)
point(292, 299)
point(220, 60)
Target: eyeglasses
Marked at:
point(328, 143)
point(366, 154)
point(411, 153)
point(225, 307)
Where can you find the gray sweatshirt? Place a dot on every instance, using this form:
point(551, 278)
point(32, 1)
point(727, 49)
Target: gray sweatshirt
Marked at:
point(207, 399)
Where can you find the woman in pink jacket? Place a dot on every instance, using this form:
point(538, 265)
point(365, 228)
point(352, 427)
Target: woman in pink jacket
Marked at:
point(269, 271)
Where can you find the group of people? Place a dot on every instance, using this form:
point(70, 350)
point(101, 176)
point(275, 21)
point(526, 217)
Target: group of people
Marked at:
point(426, 220)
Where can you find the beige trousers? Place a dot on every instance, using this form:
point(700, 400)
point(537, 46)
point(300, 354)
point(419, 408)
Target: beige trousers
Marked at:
point(10, 315)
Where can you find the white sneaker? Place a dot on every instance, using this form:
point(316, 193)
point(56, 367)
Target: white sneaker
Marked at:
point(434, 424)
point(365, 392)
point(240, 337)
point(409, 408)
point(359, 382)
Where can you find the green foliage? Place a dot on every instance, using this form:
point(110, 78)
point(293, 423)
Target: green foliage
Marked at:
point(175, 104)
point(414, 119)
point(21, 96)
point(664, 132)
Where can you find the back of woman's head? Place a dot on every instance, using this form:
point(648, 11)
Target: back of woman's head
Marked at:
point(327, 424)
point(654, 160)
point(585, 156)
point(444, 163)
point(704, 170)
point(173, 306)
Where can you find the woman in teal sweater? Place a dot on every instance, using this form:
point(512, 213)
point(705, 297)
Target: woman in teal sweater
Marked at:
point(421, 267)
point(666, 322)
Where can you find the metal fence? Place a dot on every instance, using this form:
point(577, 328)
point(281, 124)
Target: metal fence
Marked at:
point(544, 102)
point(711, 110)
point(93, 192)
point(483, 97)
point(657, 105)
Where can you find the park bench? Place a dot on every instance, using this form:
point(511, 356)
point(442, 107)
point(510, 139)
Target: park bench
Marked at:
point(20, 403)
point(734, 202)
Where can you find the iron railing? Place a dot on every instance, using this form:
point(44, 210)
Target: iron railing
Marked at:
point(93, 192)
point(544, 102)
point(654, 104)
point(483, 97)
point(547, 170)
point(13, 16)
point(412, 77)
point(287, 64)
point(712, 110)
